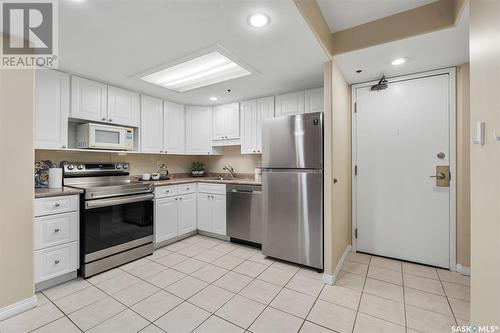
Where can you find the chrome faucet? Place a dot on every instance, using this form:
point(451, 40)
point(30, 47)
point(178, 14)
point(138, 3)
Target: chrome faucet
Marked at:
point(230, 169)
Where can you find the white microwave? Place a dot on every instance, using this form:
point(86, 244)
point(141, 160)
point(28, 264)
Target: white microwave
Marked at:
point(98, 136)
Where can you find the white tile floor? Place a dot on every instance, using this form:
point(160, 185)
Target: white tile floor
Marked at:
point(205, 285)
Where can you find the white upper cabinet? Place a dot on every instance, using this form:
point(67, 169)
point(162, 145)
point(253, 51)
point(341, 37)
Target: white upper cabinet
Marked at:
point(233, 121)
point(88, 99)
point(219, 123)
point(151, 124)
point(265, 110)
point(226, 124)
point(123, 107)
point(290, 104)
point(252, 114)
point(174, 128)
point(51, 109)
point(96, 101)
point(248, 126)
point(198, 130)
point(314, 100)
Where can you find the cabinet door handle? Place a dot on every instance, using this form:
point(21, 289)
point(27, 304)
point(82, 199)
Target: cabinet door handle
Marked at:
point(56, 262)
point(56, 230)
point(103, 119)
point(57, 204)
point(110, 120)
point(64, 146)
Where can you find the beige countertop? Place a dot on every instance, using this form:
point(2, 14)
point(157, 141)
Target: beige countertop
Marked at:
point(56, 192)
point(214, 180)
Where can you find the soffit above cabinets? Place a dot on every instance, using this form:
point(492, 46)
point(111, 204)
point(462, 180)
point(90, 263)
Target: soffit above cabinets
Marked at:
point(345, 14)
point(438, 49)
point(113, 41)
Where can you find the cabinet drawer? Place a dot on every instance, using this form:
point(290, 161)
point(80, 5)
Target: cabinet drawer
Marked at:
point(55, 261)
point(212, 188)
point(186, 188)
point(165, 191)
point(56, 229)
point(56, 205)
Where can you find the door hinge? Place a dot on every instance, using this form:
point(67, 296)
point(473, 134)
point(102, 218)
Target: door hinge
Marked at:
point(356, 233)
point(355, 107)
point(355, 170)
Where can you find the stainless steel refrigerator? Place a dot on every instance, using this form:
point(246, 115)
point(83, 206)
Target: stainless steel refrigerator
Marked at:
point(292, 181)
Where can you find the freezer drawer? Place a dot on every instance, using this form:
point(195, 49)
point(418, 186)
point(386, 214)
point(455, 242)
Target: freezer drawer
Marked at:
point(293, 216)
point(293, 141)
point(244, 212)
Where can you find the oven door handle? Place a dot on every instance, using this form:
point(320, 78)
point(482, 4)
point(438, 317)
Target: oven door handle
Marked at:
point(118, 201)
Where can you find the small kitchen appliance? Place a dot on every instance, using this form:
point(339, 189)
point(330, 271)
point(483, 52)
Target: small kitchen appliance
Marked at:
point(99, 136)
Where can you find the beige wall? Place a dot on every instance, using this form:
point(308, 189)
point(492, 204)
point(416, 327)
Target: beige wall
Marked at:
point(337, 166)
point(485, 162)
point(16, 185)
point(341, 164)
point(329, 236)
point(463, 169)
point(232, 156)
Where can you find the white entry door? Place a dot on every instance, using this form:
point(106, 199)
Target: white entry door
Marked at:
point(401, 134)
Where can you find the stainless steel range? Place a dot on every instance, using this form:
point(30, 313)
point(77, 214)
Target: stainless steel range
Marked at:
point(116, 215)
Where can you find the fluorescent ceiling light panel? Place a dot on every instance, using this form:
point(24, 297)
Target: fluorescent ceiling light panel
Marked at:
point(199, 72)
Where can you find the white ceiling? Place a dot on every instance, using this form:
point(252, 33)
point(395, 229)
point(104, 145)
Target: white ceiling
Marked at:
point(113, 40)
point(434, 50)
point(344, 14)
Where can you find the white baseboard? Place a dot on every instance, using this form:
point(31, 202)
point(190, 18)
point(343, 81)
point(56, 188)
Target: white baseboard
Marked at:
point(463, 270)
point(18, 307)
point(330, 279)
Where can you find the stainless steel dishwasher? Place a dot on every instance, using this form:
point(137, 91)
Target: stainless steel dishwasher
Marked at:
point(244, 212)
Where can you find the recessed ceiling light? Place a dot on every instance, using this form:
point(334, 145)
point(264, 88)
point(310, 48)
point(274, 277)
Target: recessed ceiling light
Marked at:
point(213, 98)
point(258, 20)
point(198, 72)
point(399, 61)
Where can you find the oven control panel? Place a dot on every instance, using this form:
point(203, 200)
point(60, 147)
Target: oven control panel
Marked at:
point(83, 168)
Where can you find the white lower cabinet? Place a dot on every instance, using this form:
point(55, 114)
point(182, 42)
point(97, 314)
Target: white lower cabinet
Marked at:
point(186, 221)
point(212, 209)
point(165, 219)
point(175, 215)
point(204, 212)
point(56, 261)
point(56, 228)
point(219, 214)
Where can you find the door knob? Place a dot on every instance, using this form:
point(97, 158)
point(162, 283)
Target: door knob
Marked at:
point(439, 175)
point(442, 176)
